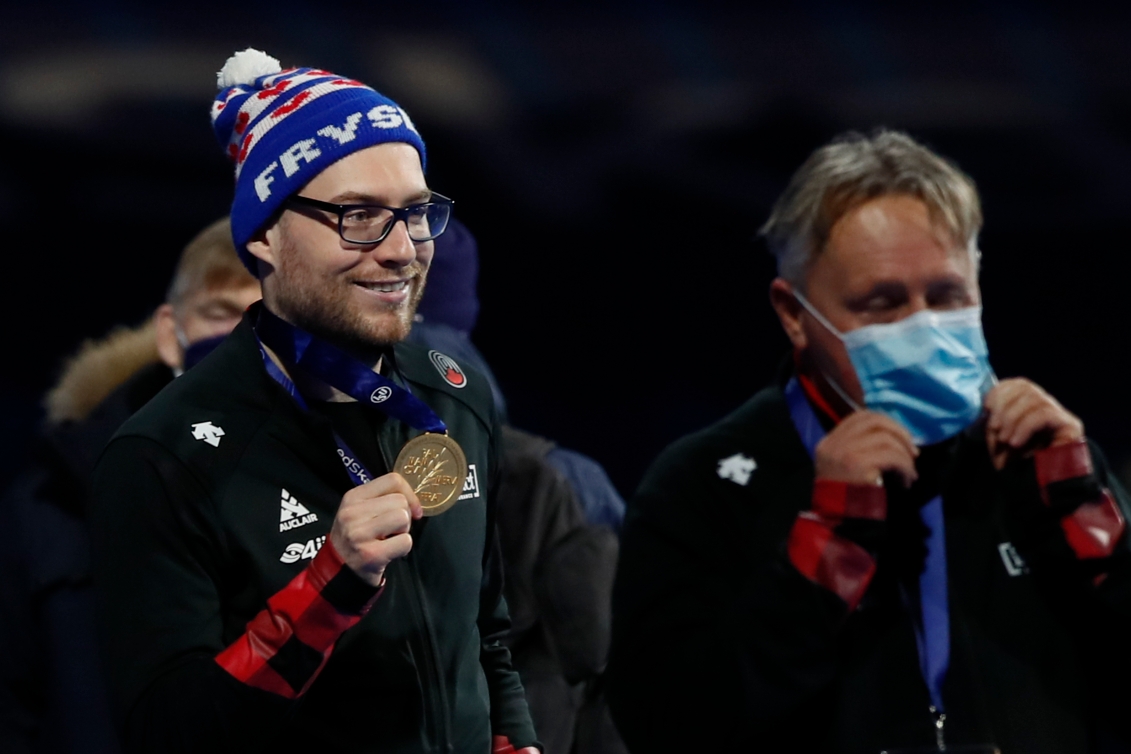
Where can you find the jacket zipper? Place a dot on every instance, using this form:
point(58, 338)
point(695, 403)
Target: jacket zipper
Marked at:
point(435, 695)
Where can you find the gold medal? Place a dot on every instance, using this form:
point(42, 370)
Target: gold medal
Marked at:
point(435, 467)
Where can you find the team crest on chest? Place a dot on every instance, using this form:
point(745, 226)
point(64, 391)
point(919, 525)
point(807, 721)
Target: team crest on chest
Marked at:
point(448, 369)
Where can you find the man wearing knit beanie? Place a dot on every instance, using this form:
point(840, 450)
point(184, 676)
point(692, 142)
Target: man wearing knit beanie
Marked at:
point(269, 574)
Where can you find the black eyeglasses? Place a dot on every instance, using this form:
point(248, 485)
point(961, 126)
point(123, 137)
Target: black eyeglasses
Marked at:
point(371, 223)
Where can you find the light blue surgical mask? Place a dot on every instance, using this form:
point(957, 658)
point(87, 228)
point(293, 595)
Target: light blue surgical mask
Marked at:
point(928, 371)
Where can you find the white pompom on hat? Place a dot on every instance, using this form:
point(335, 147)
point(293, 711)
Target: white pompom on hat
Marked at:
point(245, 67)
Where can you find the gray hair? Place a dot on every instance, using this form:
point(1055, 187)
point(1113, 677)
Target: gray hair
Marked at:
point(854, 169)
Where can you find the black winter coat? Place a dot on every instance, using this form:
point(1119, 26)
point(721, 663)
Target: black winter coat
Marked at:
point(52, 690)
point(720, 643)
point(189, 547)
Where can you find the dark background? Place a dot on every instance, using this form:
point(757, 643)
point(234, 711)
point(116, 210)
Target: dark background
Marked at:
point(615, 161)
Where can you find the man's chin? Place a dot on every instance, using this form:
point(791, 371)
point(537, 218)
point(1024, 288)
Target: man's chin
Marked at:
point(356, 323)
point(385, 330)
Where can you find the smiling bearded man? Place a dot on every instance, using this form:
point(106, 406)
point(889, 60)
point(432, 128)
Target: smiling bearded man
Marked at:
point(358, 299)
point(270, 577)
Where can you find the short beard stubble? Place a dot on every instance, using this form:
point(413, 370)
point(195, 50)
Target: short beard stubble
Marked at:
point(321, 305)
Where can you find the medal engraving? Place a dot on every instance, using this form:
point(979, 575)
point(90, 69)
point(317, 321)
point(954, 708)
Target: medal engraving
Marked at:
point(435, 467)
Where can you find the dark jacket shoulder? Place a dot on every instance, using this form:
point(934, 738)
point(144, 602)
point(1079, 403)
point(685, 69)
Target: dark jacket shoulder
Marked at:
point(207, 417)
point(455, 379)
point(727, 493)
point(757, 436)
point(69, 450)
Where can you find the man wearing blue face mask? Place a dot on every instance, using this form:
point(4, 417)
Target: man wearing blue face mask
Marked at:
point(889, 549)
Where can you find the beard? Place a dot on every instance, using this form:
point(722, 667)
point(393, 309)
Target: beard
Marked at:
point(324, 305)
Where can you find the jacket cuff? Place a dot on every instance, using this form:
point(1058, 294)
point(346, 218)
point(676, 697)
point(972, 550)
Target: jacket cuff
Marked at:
point(1093, 529)
point(285, 646)
point(835, 500)
point(1061, 463)
point(502, 745)
point(1089, 516)
point(835, 563)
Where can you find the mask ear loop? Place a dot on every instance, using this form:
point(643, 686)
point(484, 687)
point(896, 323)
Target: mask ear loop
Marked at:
point(844, 396)
point(179, 334)
point(816, 314)
point(182, 341)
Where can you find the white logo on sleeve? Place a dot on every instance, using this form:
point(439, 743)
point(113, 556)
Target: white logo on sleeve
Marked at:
point(737, 468)
point(1015, 565)
point(297, 551)
point(293, 514)
point(470, 484)
point(208, 432)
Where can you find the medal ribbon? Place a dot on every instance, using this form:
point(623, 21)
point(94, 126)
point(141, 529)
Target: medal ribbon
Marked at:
point(358, 474)
point(338, 369)
point(932, 630)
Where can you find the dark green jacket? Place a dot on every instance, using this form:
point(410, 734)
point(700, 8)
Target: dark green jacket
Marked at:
point(191, 543)
point(720, 644)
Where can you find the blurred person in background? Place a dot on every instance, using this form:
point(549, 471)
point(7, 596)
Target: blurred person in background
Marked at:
point(445, 318)
point(558, 513)
point(268, 576)
point(888, 547)
point(51, 688)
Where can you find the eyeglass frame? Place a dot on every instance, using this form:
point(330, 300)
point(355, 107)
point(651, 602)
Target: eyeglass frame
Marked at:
point(399, 214)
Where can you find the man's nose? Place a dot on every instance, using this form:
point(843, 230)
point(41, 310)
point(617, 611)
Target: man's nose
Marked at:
point(397, 250)
point(917, 303)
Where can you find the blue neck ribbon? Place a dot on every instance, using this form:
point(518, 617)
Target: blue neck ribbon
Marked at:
point(932, 630)
point(358, 474)
point(336, 368)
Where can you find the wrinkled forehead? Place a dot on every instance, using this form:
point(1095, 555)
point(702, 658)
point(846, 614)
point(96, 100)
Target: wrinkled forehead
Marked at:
point(895, 239)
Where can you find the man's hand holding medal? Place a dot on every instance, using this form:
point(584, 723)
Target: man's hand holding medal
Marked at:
point(372, 526)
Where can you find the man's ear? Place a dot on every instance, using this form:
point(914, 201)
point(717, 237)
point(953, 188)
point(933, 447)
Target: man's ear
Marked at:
point(166, 331)
point(265, 246)
point(789, 312)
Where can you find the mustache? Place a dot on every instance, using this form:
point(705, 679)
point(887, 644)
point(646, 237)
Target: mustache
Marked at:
point(413, 270)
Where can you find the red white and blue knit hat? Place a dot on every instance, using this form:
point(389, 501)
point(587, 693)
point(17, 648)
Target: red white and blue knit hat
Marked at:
point(284, 127)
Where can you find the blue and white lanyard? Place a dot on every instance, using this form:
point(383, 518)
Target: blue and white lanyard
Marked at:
point(338, 369)
point(358, 474)
point(932, 631)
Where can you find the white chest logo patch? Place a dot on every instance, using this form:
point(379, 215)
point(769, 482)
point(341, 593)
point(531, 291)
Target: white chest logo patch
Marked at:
point(470, 484)
point(297, 551)
point(293, 514)
point(208, 432)
point(1015, 565)
point(737, 468)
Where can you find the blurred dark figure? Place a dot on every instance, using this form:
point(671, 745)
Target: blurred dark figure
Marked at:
point(51, 689)
point(448, 312)
point(887, 549)
point(557, 517)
